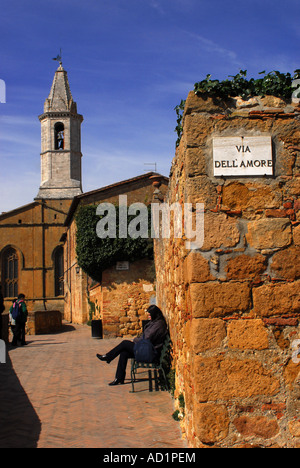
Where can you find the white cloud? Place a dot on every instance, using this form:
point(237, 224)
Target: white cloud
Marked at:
point(212, 47)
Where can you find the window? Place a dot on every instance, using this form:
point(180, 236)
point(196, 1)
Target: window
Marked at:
point(10, 273)
point(59, 134)
point(59, 271)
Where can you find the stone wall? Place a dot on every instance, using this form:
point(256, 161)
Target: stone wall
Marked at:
point(233, 305)
point(123, 297)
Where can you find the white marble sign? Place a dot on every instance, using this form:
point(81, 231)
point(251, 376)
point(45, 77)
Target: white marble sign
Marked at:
point(242, 156)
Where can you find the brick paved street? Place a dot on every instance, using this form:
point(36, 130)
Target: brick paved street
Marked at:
point(54, 393)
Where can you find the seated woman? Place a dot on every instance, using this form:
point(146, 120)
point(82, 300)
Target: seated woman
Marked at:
point(155, 331)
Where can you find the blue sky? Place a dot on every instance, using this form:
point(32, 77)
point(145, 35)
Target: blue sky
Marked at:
point(129, 63)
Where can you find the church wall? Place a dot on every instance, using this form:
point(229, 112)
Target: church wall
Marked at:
point(233, 305)
point(27, 229)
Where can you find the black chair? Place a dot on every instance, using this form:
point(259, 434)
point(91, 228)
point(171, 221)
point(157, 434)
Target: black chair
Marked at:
point(160, 365)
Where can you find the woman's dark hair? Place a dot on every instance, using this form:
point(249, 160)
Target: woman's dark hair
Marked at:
point(155, 312)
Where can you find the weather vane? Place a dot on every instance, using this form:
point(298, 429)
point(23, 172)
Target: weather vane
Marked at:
point(59, 58)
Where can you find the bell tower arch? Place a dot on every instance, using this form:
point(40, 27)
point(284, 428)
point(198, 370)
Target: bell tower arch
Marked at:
point(60, 142)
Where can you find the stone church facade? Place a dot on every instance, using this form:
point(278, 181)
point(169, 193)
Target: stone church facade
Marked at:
point(31, 253)
point(35, 237)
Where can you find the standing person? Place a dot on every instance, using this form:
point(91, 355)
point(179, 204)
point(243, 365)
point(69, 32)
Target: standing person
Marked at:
point(2, 308)
point(155, 331)
point(12, 324)
point(18, 313)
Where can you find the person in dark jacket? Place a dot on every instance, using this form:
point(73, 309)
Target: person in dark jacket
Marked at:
point(18, 328)
point(155, 331)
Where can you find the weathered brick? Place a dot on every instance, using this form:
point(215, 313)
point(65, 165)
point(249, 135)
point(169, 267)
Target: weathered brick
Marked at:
point(219, 299)
point(257, 426)
point(276, 299)
point(223, 378)
point(269, 233)
point(246, 267)
point(207, 334)
point(294, 428)
point(220, 231)
point(197, 269)
point(254, 196)
point(296, 235)
point(247, 334)
point(286, 264)
point(212, 422)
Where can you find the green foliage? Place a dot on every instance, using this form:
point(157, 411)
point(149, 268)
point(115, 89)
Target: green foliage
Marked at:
point(178, 129)
point(179, 414)
point(273, 84)
point(171, 376)
point(94, 254)
point(181, 401)
point(176, 415)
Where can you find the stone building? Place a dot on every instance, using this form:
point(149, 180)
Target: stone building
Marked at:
point(233, 304)
point(31, 252)
point(127, 288)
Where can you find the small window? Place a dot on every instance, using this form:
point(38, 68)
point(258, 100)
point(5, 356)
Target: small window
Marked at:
point(10, 273)
point(59, 271)
point(59, 130)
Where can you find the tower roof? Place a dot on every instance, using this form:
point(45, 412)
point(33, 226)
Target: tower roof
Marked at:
point(60, 98)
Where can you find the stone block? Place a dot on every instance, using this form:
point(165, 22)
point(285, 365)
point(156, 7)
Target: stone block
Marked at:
point(223, 378)
point(296, 235)
point(207, 334)
point(286, 264)
point(269, 233)
point(294, 428)
point(259, 426)
point(211, 422)
point(276, 299)
point(219, 299)
point(205, 103)
point(195, 163)
point(247, 334)
point(254, 196)
point(220, 231)
point(196, 130)
point(246, 267)
point(196, 268)
point(291, 375)
point(201, 190)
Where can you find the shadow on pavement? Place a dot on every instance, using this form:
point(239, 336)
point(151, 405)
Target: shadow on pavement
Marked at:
point(20, 426)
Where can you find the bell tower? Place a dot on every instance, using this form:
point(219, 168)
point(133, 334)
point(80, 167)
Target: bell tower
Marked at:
point(60, 142)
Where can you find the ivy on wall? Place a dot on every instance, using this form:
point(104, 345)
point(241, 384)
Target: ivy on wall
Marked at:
point(95, 254)
point(273, 84)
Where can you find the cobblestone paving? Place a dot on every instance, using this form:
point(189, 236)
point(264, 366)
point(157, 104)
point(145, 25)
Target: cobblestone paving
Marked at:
point(54, 393)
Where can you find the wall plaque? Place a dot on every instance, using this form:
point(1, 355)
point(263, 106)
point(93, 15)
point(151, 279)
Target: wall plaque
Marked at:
point(242, 156)
point(122, 266)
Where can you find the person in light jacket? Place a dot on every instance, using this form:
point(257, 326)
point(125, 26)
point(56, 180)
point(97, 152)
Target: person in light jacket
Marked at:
point(155, 331)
